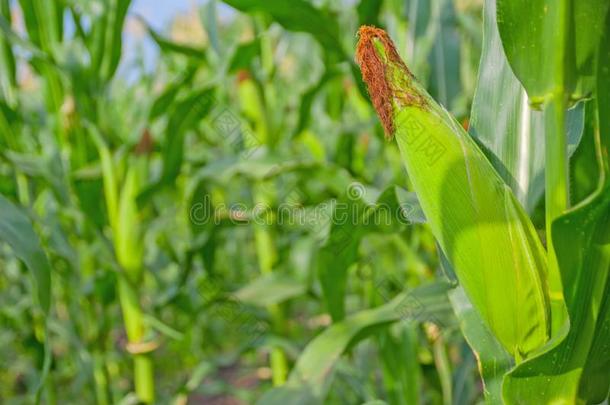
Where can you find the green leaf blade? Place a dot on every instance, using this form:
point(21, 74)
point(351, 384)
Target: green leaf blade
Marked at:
point(16, 230)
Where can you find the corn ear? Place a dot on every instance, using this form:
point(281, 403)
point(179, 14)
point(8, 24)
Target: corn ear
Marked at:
point(479, 224)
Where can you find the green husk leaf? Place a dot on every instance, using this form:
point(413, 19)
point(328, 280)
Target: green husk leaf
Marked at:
point(473, 214)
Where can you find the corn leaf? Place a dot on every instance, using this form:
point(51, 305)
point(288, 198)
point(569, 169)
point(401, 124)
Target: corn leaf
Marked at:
point(244, 55)
point(537, 36)
point(336, 256)
point(185, 116)
point(502, 120)
point(16, 230)
point(113, 43)
point(584, 168)
point(169, 46)
point(297, 15)
point(445, 82)
point(492, 359)
point(44, 22)
point(582, 238)
point(165, 100)
point(271, 289)
point(312, 374)
point(309, 96)
point(354, 217)
point(401, 369)
point(15, 39)
point(260, 167)
point(574, 368)
point(209, 18)
point(368, 12)
point(595, 382)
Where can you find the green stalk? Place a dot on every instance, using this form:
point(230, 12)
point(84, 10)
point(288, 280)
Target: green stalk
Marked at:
point(412, 369)
point(124, 219)
point(255, 99)
point(50, 390)
point(556, 165)
point(129, 251)
point(443, 367)
point(556, 198)
point(267, 255)
point(134, 325)
point(401, 372)
point(100, 377)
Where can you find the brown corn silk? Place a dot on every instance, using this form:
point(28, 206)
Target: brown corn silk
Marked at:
point(378, 73)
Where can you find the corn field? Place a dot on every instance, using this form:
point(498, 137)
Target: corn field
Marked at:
point(305, 202)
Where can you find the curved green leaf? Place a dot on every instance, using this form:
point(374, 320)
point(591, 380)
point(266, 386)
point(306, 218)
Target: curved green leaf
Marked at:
point(113, 42)
point(16, 230)
point(297, 15)
point(573, 367)
point(352, 219)
point(595, 382)
point(186, 114)
point(167, 45)
point(271, 289)
point(550, 43)
point(314, 369)
point(492, 359)
point(502, 120)
point(582, 238)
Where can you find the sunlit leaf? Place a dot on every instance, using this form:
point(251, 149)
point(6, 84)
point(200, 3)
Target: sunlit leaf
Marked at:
point(536, 36)
point(472, 213)
point(507, 126)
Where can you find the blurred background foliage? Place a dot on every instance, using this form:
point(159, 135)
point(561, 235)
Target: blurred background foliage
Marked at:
point(137, 141)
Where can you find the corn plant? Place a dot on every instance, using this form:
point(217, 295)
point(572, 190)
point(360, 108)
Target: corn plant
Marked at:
point(485, 232)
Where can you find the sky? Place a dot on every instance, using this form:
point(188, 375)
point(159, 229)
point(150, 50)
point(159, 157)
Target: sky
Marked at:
point(159, 15)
